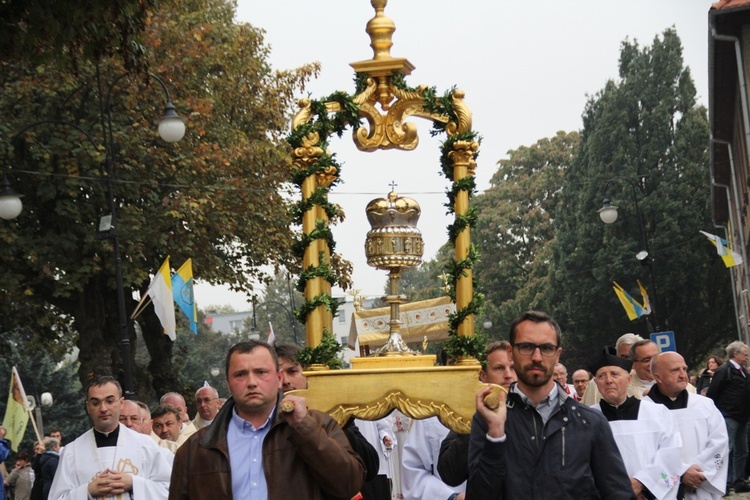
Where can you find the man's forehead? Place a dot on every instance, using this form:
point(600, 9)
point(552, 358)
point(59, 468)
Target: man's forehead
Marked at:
point(103, 391)
point(129, 408)
point(499, 356)
point(257, 358)
point(649, 348)
point(611, 369)
point(166, 418)
point(542, 331)
point(287, 363)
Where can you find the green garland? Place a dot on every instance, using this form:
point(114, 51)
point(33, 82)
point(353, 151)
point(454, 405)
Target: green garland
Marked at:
point(321, 232)
point(309, 306)
point(318, 198)
point(320, 271)
point(326, 353)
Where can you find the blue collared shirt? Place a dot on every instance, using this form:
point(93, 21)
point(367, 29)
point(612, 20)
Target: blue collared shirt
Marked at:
point(245, 444)
point(546, 406)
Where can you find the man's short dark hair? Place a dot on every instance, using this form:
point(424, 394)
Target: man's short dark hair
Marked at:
point(287, 351)
point(246, 347)
point(165, 409)
point(22, 455)
point(640, 343)
point(104, 380)
point(536, 317)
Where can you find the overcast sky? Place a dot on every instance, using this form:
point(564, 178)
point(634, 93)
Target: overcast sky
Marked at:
point(527, 69)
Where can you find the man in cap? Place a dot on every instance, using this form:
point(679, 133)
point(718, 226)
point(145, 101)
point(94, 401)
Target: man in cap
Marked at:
point(705, 445)
point(645, 432)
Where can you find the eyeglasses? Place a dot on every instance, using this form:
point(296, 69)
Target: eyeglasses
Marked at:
point(204, 400)
point(644, 360)
point(528, 348)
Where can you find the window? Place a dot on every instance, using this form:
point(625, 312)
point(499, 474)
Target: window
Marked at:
point(343, 341)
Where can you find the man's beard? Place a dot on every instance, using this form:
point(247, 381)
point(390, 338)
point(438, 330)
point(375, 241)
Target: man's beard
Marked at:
point(535, 379)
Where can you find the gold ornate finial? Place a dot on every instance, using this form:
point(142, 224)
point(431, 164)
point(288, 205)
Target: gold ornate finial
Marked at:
point(381, 29)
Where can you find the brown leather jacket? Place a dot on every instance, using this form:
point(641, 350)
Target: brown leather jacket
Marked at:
point(313, 461)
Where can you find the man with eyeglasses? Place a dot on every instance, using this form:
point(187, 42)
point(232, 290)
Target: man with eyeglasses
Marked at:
point(540, 443)
point(110, 460)
point(208, 403)
point(641, 354)
point(646, 433)
point(730, 390)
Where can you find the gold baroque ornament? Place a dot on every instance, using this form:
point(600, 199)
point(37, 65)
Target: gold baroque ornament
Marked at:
point(327, 177)
point(413, 408)
point(463, 155)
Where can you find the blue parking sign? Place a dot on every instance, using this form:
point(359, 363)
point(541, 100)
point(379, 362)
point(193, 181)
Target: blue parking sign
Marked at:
point(664, 341)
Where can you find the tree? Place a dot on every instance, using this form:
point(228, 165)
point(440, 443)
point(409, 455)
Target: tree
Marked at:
point(41, 374)
point(216, 196)
point(647, 130)
point(515, 227)
point(276, 306)
point(63, 32)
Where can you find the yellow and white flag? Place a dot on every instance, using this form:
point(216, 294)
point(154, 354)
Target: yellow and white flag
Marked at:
point(16, 416)
point(160, 291)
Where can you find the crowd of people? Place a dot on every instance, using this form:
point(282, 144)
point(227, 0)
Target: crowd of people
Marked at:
point(641, 430)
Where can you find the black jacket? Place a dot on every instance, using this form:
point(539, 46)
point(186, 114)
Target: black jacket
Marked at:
point(731, 392)
point(573, 456)
point(453, 464)
point(48, 465)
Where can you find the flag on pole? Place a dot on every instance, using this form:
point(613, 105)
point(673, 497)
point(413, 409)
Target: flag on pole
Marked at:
point(646, 301)
point(16, 415)
point(633, 309)
point(271, 335)
point(160, 291)
point(729, 256)
point(182, 290)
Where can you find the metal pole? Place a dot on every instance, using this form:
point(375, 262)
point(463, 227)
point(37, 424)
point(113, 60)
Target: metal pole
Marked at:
point(111, 170)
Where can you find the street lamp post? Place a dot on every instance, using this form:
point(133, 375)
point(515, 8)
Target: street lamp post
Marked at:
point(608, 214)
point(171, 128)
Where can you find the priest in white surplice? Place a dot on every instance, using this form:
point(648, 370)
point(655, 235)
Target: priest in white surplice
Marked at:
point(705, 444)
point(645, 432)
point(110, 461)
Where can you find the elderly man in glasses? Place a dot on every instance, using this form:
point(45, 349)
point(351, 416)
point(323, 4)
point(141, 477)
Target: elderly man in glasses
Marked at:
point(541, 443)
point(208, 403)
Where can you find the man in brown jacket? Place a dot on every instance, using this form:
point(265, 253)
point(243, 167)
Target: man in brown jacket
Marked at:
point(256, 449)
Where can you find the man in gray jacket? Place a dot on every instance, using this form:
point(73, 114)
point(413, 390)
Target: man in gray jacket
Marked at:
point(540, 443)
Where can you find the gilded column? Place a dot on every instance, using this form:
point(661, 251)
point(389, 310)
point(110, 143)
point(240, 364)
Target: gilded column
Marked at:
point(462, 158)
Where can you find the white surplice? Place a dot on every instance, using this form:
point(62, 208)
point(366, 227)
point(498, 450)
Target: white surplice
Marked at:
point(704, 443)
point(651, 448)
point(419, 476)
point(135, 454)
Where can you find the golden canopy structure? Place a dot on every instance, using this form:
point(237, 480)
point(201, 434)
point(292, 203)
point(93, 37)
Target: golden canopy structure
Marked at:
point(384, 101)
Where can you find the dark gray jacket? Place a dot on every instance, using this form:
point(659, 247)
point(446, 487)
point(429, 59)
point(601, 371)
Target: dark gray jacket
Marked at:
point(573, 456)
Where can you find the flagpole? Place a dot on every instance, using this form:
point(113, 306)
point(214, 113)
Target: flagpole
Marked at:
point(33, 423)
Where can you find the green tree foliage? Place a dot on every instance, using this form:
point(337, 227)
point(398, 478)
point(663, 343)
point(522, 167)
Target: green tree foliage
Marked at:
point(425, 281)
point(277, 304)
point(515, 227)
point(39, 374)
point(215, 196)
point(647, 129)
point(64, 32)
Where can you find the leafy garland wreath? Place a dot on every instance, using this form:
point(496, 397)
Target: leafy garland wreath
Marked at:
point(324, 124)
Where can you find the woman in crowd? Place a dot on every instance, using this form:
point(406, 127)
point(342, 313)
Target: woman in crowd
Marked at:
point(705, 376)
